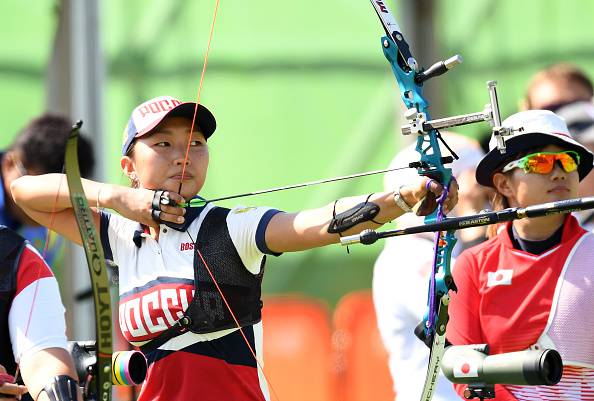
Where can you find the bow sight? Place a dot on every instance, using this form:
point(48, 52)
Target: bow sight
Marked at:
point(418, 123)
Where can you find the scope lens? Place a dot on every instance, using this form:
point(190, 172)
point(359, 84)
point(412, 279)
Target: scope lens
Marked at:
point(551, 366)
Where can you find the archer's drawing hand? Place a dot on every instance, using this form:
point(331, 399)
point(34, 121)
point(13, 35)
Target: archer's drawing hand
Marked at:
point(151, 208)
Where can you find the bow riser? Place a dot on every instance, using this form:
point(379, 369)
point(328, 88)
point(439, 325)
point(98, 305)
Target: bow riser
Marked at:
point(412, 96)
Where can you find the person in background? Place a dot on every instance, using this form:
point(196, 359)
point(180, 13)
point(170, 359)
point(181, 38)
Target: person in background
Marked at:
point(530, 285)
point(401, 272)
point(32, 326)
point(38, 149)
point(556, 86)
point(567, 90)
point(579, 117)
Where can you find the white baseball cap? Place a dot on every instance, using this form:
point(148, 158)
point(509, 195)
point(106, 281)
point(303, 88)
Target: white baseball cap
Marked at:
point(149, 114)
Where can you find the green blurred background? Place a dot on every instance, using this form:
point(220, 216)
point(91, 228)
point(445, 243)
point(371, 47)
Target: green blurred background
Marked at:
point(301, 90)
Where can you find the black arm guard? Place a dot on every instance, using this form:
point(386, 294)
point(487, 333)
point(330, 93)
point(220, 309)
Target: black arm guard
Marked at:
point(61, 388)
point(364, 211)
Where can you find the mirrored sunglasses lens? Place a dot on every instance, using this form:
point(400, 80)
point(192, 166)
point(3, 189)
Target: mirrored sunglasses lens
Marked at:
point(539, 163)
point(568, 162)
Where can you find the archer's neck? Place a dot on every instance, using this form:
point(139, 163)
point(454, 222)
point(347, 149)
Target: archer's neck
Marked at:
point(538, 228)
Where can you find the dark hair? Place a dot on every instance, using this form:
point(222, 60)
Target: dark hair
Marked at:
point(42, 143)
point(567, 75)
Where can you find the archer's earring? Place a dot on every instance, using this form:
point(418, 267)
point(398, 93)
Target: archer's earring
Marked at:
point(134, 180)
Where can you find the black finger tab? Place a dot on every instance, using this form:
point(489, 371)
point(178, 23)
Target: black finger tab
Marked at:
point(156, 204)
point(156, 215)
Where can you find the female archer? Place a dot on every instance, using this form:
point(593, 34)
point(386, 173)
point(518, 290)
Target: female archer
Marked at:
point(531, 284)
point(191, 272)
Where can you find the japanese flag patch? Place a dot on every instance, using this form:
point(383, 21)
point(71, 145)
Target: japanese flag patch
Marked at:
point(465, 368)
point(500, 277)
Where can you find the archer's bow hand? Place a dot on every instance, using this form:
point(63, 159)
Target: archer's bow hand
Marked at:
point(425, 194)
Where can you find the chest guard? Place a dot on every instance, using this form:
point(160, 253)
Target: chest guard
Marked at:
point(571, 322)
point(207, 312)
point(11, 247)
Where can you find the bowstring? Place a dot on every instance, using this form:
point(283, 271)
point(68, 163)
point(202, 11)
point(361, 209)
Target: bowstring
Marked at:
point(200, 85)
point(198, 96)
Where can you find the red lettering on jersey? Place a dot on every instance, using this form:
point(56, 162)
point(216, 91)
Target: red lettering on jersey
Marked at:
point(133, 318)
point(150, 310)
point(186, 246)
point(143, 316)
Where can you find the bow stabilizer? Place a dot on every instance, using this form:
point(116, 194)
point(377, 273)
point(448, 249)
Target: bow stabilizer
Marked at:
point(483, 218)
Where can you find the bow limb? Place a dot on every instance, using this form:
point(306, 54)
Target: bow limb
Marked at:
point(97, 269)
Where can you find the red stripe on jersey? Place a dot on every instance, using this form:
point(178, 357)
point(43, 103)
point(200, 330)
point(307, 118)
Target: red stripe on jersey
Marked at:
point(31, 268)
point(184, 376)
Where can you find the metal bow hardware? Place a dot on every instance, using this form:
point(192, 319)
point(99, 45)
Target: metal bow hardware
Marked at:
point(99, 389)
point(432, 164)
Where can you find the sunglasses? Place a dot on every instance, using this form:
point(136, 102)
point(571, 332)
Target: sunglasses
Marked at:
point(544, 162)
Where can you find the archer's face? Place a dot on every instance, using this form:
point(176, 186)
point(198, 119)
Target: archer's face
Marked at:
point(158, 159)
point(525, 189)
